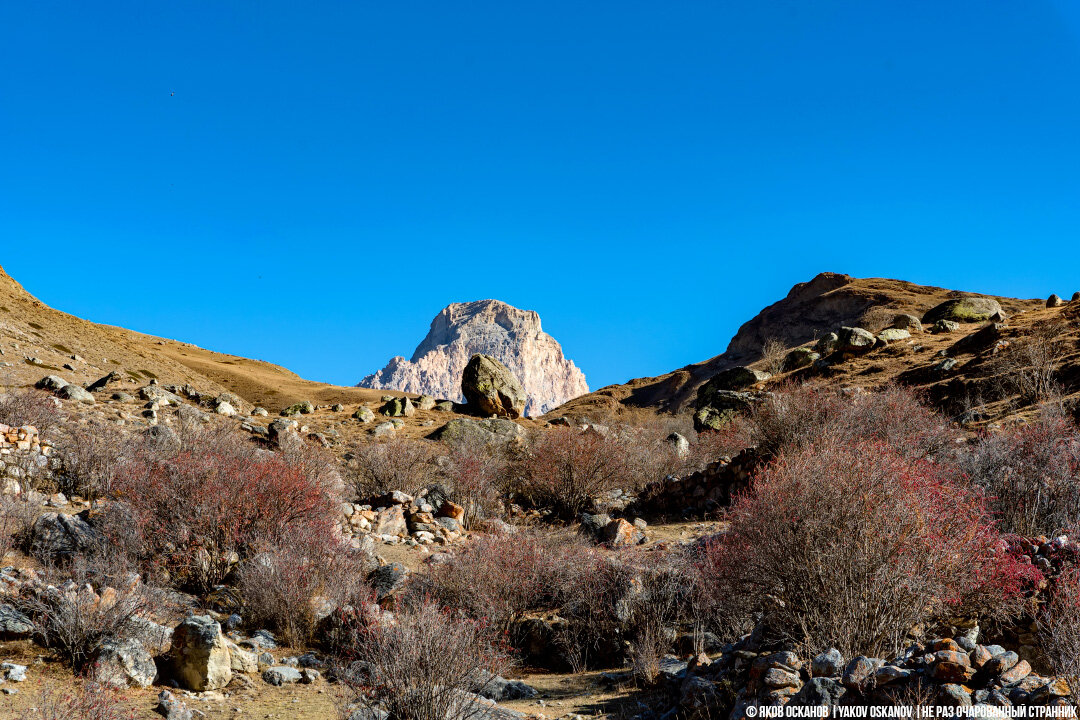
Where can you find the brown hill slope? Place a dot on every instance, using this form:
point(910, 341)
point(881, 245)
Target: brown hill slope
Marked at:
point(37, 340)
point(809, 310)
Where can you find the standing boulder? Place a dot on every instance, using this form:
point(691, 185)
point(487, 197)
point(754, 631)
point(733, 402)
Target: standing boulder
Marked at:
point(200, 656)
point(854, 341)
point(491, 389)
point(1054, 301)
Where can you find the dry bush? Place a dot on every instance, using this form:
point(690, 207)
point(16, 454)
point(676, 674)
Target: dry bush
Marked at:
point(1059, 631)
point(666, 585)
point(196, 515)
point(289, 584)
point(1029, 365)
point(565, 468)
point(30, 407)
point(1029, 475)
point(502, 577)
point(773, 352)
point(476, 474)
point(426, 665)
point(87, 702)
point(73, 619)
point(804, 415)
point(851, 545)
point(16, 517)
point(90, 454)
point(401, 464)
point(708, 446)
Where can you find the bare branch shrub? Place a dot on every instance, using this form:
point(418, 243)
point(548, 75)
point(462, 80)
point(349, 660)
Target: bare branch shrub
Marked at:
point(804, 415)
point(427, 665)
point(87, 702)
point(396, 464)
point(475, 472)
point(1029, 365)
point(666, 583)
point(90, 455)
point(1059, 631)
point(1029, 474)
point(773, 352)
point(565, 468)
point(290, 584)
point(73, 618)
point(30, 407)
point(851, 545)
point(16, 517)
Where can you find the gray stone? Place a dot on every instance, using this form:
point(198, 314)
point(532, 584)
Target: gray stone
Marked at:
point(122, 664)
point(892, 335)
point(13, 624)
point(387, 580)
point(492, 431)
point(858, 671)
point(51, 383)
point(281, 675)
point(737, 378)
point(818, 692)
point(826, 344)
point(827, 664)
point(946, 326)
point(172, 707)
point(301, 408)
point(13, 671)
point(679, 444)
point(76, 393)
point(364, 414)
point(907, 322)
point(854, 341)
point(56, 535)
point(384, 429)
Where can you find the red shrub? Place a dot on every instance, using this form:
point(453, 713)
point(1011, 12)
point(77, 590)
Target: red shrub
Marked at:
point(851, 545)
point(198, 514)
point(89, 702)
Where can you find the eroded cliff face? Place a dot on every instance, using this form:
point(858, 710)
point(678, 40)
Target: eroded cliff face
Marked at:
point(512, 336)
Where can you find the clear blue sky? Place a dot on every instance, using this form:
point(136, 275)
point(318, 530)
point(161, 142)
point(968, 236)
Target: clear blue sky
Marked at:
point(309, 183)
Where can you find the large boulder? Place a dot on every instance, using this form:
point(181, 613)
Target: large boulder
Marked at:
point(491, 389)
point(854, 341)
point(200, 656)
point(76, 393)
point(60, 536)
point(490, 431)
point(122, 664)
point(51, 382)
point(971, 309)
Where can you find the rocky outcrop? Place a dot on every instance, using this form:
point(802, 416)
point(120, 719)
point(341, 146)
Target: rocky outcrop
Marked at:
point(488, 327)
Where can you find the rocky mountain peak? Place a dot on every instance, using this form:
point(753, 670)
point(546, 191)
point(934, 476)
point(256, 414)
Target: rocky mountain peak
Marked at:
point(512, 336)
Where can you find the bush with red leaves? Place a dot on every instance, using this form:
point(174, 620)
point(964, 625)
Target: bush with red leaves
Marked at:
point(195, 515)
point(850, 545)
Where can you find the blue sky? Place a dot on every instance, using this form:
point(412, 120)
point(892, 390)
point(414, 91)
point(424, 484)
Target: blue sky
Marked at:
point(309, 183)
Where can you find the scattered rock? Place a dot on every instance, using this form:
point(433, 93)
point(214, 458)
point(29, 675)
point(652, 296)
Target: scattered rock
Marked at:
point(827, 664)
point(300, 408)
point(398, 407)
point(172, 707)
point(76, 393)
point(1054, 301)
point(907, 322)
point(800, 357)
point(854, 341)
point(60, 536)
point(281, 675)
point(364, 414)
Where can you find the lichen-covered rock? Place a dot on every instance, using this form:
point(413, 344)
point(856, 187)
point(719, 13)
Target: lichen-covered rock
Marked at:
point(364, 414)
point(122, 664)
point(56, 535)
point(969, 309)
point(491, 389)
point(854, 341)
point(489, 327)
point(300, 408)
point(800, 357)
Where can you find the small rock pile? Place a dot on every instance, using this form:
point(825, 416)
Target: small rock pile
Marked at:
point(954, 672)
point(399, 518)
point(22, 451)
point(702, 492)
